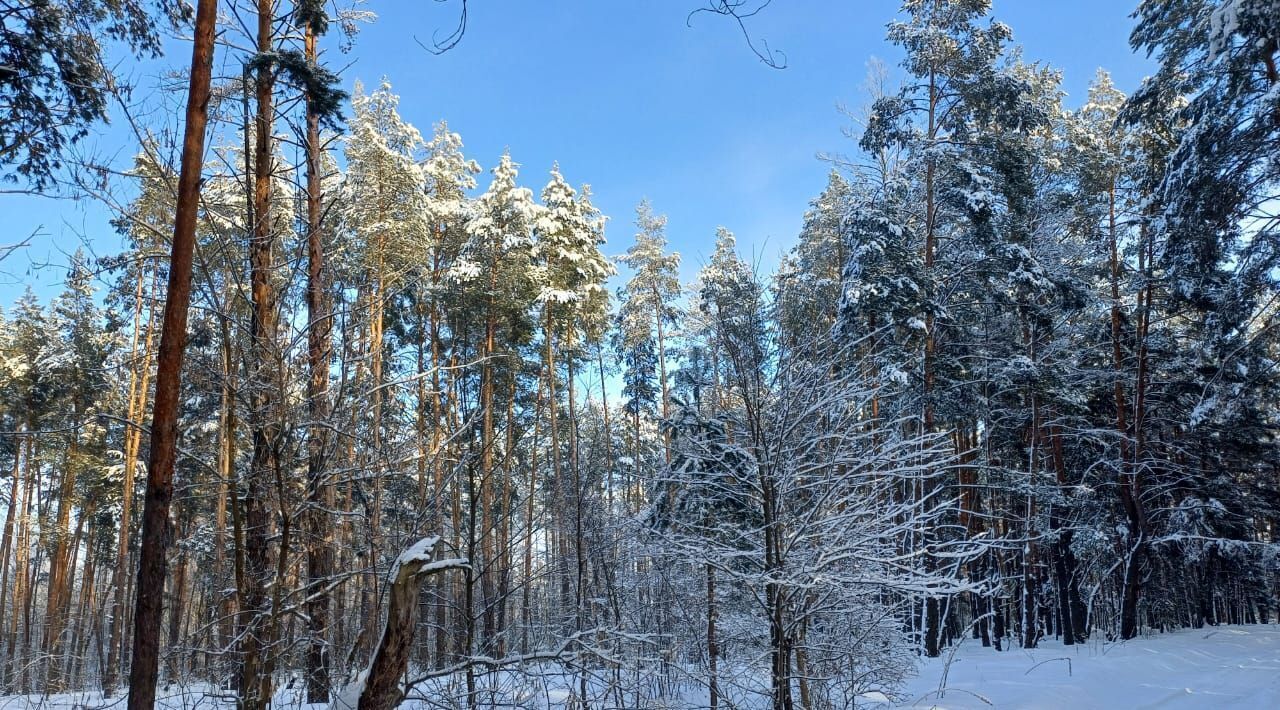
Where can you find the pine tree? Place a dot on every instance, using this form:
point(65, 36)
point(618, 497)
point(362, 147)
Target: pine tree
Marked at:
point(494, 270)
point(30, 390)
point(162, 453)
point(648, 312)
point(812, 280)
point(571, 274)
point(1205, 256)
point(385, 209)
point(315, 21)
point(56, 82)
point(78, 368)
point(448, 176)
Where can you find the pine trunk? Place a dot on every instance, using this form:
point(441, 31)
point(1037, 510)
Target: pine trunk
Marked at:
point(173, 333)
point(10, 517)
point(138, 389)
point(319, 540)
point(256, 643)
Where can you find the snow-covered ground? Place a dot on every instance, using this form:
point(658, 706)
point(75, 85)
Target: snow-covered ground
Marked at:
point(1222, 667)
point(1229, 667)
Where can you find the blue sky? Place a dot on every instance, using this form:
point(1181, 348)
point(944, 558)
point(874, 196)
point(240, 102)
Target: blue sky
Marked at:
point(630, 99)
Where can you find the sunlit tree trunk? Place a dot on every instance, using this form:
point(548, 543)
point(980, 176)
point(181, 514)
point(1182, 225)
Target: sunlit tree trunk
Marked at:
point(11, 516)
point(139, 377)
point(16, 673)
point(526, 604)
point(319, 324)
point(155, 515)
point(255, 639)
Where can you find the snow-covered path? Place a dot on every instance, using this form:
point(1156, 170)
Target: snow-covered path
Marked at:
point(1223, 667)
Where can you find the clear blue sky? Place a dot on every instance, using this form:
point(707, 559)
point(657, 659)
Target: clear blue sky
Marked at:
point(631, 100)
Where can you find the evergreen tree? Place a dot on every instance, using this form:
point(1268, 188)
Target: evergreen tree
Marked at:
point(647, 313)
point(55, 81)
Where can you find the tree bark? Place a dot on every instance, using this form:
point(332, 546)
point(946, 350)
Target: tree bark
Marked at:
point(15, 671)
point(382, 681)
point(526, 605)
point(173, 335)
point(1130, 490)
point(662, 374)
point(60, 568)
point(15, 504)
point(177, 608)
point(256, 641)
point(137, 406)
point(713, 681)
point(319, 540)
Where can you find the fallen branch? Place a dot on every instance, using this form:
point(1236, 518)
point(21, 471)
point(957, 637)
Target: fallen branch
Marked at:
point(1041, 663)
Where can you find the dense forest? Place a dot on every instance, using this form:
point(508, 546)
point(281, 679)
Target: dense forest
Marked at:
point(358, 420)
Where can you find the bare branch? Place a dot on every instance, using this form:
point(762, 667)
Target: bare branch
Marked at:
point(740, 11)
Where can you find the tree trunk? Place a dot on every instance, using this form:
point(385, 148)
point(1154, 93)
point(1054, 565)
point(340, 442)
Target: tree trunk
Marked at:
point(503, 543)
point(228, 497)
point(932, 641)
point(1130, 490)
point(138, 386)
point(437, 464)
point(15, 672)
point(579, 532)
point(607, 483)
point(713, 681)
point(256, 641)
point(662, 375)
point(15, 504)
point(483, 524)
point(369, 596)
point(173, 334)
point(177, 607)
point(526, 604)
point(56, 603)
point(382, 689)
point(779, 649)
point(557, 483)
point(84, 616)
point(319, 539)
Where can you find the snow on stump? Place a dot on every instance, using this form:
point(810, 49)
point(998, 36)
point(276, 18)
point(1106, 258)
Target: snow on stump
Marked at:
point(379, 686)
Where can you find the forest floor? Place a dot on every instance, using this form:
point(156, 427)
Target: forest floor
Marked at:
point(1213, 667)
point(1226, 667)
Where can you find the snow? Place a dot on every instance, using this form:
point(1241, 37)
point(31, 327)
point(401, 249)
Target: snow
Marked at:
point(554, 295)
point(1222, 667)
point(465, 270)
point(897, 376)
point(1223, 23)
point(1225, 667)
point(419, 551)
point(349, 697)
point(1202, 410)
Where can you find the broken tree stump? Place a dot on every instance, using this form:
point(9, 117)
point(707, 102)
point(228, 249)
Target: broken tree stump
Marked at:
point(380, 686)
